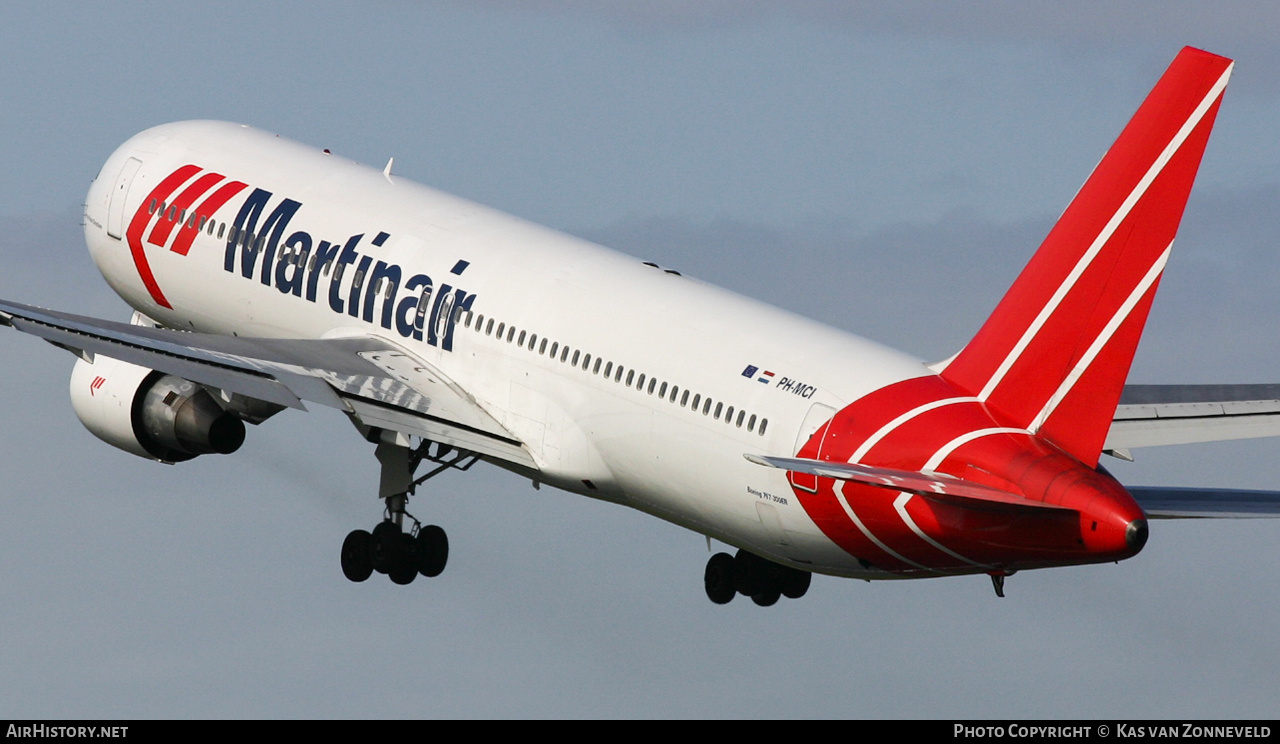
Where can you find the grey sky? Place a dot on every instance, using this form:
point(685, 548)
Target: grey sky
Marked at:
point(886, 168)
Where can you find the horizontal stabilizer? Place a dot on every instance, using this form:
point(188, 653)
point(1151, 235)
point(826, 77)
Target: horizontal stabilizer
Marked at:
point(1206, 503)
point(1155, 415)
point(936, 486)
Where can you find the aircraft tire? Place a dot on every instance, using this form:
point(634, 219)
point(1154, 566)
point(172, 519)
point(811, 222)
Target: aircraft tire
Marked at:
point(357, 564)
point(746, 572)
point(403, 575)
point(404, 567)
point(767, 597)
point(431, 551)
point(796, 583)
point(382, 546)
point(718, 579)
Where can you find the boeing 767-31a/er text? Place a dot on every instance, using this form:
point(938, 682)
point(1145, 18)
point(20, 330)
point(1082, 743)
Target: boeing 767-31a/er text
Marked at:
point(266, 274)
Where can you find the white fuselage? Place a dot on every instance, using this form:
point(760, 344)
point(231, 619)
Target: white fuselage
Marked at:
point(602, 436)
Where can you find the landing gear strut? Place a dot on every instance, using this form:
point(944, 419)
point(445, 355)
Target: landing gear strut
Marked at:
point(391, 549)
point(752, 576)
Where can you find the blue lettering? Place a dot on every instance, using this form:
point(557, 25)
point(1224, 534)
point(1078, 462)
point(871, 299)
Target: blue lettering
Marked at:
point(420, 308)
point(298, 249)
point(381, 271)
point(348, 257)
point(357, 282)
point(324, 256)
point(253, 240)
point(461, 304)
point(410, 312)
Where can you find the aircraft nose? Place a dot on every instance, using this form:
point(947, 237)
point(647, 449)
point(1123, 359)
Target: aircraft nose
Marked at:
point(1135, 535)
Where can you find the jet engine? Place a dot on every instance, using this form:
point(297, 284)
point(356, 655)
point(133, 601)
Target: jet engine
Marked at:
point(149, 413)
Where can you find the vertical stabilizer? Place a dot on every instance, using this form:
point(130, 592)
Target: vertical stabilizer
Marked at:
point(1054, 355)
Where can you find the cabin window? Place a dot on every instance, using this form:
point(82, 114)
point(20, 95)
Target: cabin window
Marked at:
point(684, 399)
point(152, 209)
point(542, 350)
point(575, 358)
point(596, 369)
point(675, 389)
point(586, 361)
point(763, 423)
point(751, 423)
point(630, 376)
point(740, 415)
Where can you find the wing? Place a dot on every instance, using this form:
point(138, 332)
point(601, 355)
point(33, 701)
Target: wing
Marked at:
point(373, 381)
point(1152, 415)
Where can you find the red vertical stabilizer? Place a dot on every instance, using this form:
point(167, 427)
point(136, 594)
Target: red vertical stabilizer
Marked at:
point(1054, 355)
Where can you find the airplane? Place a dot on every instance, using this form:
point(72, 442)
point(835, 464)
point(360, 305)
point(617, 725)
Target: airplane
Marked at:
point(266, 274)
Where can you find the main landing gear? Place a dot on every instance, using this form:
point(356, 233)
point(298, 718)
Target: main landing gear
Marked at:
point(750, 575)
point(390, 549)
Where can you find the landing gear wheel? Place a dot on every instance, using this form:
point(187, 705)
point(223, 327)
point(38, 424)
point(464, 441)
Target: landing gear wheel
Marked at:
point(382, 546)
point(403, 567)
point(431, 551)
point(718, 578)
point(357, 564)
point(746, 573)
point(796, 583)
point(767, 597)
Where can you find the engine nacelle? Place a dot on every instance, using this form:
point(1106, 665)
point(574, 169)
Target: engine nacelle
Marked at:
point(151, 414)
